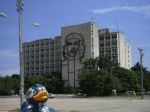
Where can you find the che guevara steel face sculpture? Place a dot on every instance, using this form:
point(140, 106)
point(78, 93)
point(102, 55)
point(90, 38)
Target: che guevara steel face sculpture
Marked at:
point(74, 46)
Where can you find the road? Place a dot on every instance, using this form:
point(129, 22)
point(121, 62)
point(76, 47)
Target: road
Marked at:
point(94, 104)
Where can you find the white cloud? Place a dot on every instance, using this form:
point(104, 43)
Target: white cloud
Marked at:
point(8, 53)
point(142, 9)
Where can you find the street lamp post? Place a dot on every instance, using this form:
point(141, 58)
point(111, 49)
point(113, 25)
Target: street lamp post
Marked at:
point(2, 14)
point(20, 9)
point(141, 61)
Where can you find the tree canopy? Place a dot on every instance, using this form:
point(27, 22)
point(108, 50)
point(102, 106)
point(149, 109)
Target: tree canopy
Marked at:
point(100, 76)
point(10, 84)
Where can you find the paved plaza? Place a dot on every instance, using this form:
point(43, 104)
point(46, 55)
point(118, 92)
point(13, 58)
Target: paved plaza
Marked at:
point(93, 104)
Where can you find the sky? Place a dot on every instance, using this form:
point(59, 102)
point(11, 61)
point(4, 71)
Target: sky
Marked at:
point(129, 16)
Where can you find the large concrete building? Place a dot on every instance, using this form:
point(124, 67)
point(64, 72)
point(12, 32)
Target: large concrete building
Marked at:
point(76, 44)
point(42, 56)
point(80, 42)
point(114, 45)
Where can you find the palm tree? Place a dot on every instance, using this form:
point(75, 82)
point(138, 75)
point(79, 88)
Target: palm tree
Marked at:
point(89, 64)
point(137, 67)
point(105, 63)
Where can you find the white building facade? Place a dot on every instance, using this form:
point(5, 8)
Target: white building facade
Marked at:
point(114, 45)
point(79, 42)
point(42, 56)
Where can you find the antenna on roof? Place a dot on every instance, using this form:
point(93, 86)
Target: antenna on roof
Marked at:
point(117, 26)
point(92, 19)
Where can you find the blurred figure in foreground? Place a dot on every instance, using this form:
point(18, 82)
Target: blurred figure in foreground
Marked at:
point(36, 100)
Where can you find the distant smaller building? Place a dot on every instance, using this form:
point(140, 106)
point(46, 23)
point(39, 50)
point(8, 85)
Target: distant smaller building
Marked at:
point(114, 45)
point(42, 56)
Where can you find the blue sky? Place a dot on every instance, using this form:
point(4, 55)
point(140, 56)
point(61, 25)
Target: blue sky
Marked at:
point(129, 16)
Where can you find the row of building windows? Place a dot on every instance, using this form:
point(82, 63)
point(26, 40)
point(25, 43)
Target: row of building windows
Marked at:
point(41, 45)
point(108, 48)
point(42, 56)
point(103, 37)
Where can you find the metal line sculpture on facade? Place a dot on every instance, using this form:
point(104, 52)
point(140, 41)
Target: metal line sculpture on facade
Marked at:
point(73, 50)
point(74, 45)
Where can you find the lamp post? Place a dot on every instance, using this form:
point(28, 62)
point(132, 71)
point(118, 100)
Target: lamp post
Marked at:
point(36, 25)
point(20, 9)
point(141, 61)
point(2, 14)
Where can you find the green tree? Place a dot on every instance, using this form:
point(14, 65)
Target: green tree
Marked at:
point(95, 82)
point(105, 63)
point(127, 79)
point(91, 82)
point(116, 85)
point(9, 84)
point(96, 77)
point(147, 82)
point(89, 64)
point(107, 89)
point(53, 82)
point(146, 75)
point(31, 80)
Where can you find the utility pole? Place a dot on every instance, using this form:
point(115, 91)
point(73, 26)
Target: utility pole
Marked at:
point(20, 9)
point(141, 61)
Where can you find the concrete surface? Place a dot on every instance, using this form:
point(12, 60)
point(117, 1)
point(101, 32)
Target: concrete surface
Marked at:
point(93, 104)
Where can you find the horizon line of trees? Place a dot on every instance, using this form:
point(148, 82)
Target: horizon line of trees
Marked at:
point(98, 77)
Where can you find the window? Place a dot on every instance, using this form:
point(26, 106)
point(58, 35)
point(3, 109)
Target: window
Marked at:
point(101, 45)
point(52, 42)
point(107, 37)
point(114, 36)
point(37, 44)
point(101, 38)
